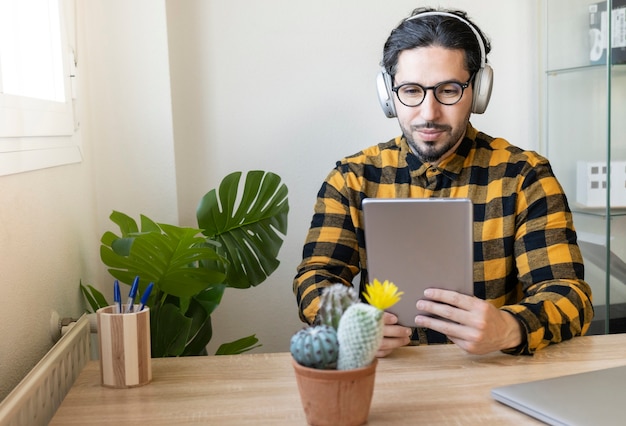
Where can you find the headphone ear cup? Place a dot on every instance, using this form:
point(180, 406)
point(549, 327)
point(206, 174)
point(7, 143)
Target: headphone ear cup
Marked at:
point(383, 87)
point(483, 82)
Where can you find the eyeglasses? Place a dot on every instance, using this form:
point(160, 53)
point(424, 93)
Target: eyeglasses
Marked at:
point(446, 92)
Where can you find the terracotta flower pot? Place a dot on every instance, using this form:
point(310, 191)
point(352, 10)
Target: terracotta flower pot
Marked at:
point(336, 397)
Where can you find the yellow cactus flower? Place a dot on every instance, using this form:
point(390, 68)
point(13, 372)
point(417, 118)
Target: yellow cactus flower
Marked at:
point(383, 295)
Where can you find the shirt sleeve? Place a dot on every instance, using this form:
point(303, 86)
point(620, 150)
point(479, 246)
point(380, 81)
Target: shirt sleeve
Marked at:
point(331, 249)
point(556, 302)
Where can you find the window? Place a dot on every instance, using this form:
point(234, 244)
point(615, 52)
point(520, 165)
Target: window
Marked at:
point(37, 121)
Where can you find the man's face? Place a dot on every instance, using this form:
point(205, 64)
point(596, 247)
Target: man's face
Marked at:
point(432, 129)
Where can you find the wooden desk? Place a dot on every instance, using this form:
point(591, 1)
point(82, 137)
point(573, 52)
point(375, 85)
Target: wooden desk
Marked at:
point(429, 385)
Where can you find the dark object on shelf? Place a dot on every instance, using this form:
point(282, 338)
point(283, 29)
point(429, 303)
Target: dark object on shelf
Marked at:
point(598, 29)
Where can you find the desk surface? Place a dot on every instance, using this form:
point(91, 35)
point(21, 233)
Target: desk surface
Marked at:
point(433, 384)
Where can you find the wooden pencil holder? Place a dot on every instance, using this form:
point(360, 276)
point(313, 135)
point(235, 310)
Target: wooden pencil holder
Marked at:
point(125, 357)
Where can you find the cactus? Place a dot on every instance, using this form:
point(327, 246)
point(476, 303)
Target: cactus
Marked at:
point(361, 327)
point(357, 337)
point(315, 347)
point(333, 302)
point(360, 334)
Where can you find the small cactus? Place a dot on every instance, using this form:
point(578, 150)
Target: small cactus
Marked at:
point(333, 303)
point(361, 327)
point(315, 347)
point(360, 334)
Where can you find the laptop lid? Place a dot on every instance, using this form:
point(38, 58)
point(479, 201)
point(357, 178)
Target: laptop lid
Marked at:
point(418, 243)
point(591, 398)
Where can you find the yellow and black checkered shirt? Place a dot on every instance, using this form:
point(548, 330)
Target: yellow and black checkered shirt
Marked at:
point(526, 259)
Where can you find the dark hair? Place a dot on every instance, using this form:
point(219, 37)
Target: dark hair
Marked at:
point(434, 30)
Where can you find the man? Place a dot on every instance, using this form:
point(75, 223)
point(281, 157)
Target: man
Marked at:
point(529, 288)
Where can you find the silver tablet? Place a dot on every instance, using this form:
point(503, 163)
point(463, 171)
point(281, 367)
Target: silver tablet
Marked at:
point(419, 243)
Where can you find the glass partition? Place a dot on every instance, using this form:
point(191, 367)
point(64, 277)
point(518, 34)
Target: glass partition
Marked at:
point(584, 133)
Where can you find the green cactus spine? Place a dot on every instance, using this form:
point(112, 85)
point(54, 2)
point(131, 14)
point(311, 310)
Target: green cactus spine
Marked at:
point(315, 347)
point(359, 334)
point(333, 302)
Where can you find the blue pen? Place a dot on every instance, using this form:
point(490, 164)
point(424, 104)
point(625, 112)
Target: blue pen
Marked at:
point(117, 297)
point(130, 303)
point(145, 296)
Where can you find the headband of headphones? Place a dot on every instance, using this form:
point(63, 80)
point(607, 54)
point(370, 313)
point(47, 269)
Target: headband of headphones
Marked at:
point(483, 79)
point(479, 39)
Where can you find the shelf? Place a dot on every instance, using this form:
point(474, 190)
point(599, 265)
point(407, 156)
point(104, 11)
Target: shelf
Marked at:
point(599, 212)
point(602, 67)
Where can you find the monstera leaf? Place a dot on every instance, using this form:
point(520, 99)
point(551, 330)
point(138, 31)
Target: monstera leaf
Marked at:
point(249, 223)
point(167, 255)
point(240, 232)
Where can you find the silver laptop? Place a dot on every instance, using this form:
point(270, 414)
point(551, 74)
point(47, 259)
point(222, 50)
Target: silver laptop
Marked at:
point(592, 398)
point(418, 243)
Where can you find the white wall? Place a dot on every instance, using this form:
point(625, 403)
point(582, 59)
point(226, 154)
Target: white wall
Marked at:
point(280, 85)
point(288, 86)
point(45, 228)
point(125, 70)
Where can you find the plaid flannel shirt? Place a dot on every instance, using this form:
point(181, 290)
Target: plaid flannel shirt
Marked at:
point(526, 259)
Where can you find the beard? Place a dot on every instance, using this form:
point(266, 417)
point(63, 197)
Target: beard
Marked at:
point(432, 151)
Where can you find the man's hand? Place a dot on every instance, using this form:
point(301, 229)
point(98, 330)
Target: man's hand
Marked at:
point(394, 335)
point(474, 324)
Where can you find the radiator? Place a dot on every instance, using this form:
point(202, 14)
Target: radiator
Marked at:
point(36, 398)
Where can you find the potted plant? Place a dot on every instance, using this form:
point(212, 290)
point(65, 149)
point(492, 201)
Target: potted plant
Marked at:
point(236, 244)
point(335, 359)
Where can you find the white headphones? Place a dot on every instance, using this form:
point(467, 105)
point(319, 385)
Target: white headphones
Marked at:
point(483, 80)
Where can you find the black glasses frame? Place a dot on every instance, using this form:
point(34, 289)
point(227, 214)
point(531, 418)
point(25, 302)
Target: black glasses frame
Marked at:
point(463, 86)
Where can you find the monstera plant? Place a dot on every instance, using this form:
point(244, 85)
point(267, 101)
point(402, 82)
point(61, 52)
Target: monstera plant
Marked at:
point(236, 244)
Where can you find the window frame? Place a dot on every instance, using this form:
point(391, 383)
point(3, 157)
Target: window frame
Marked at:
point(37, 133)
